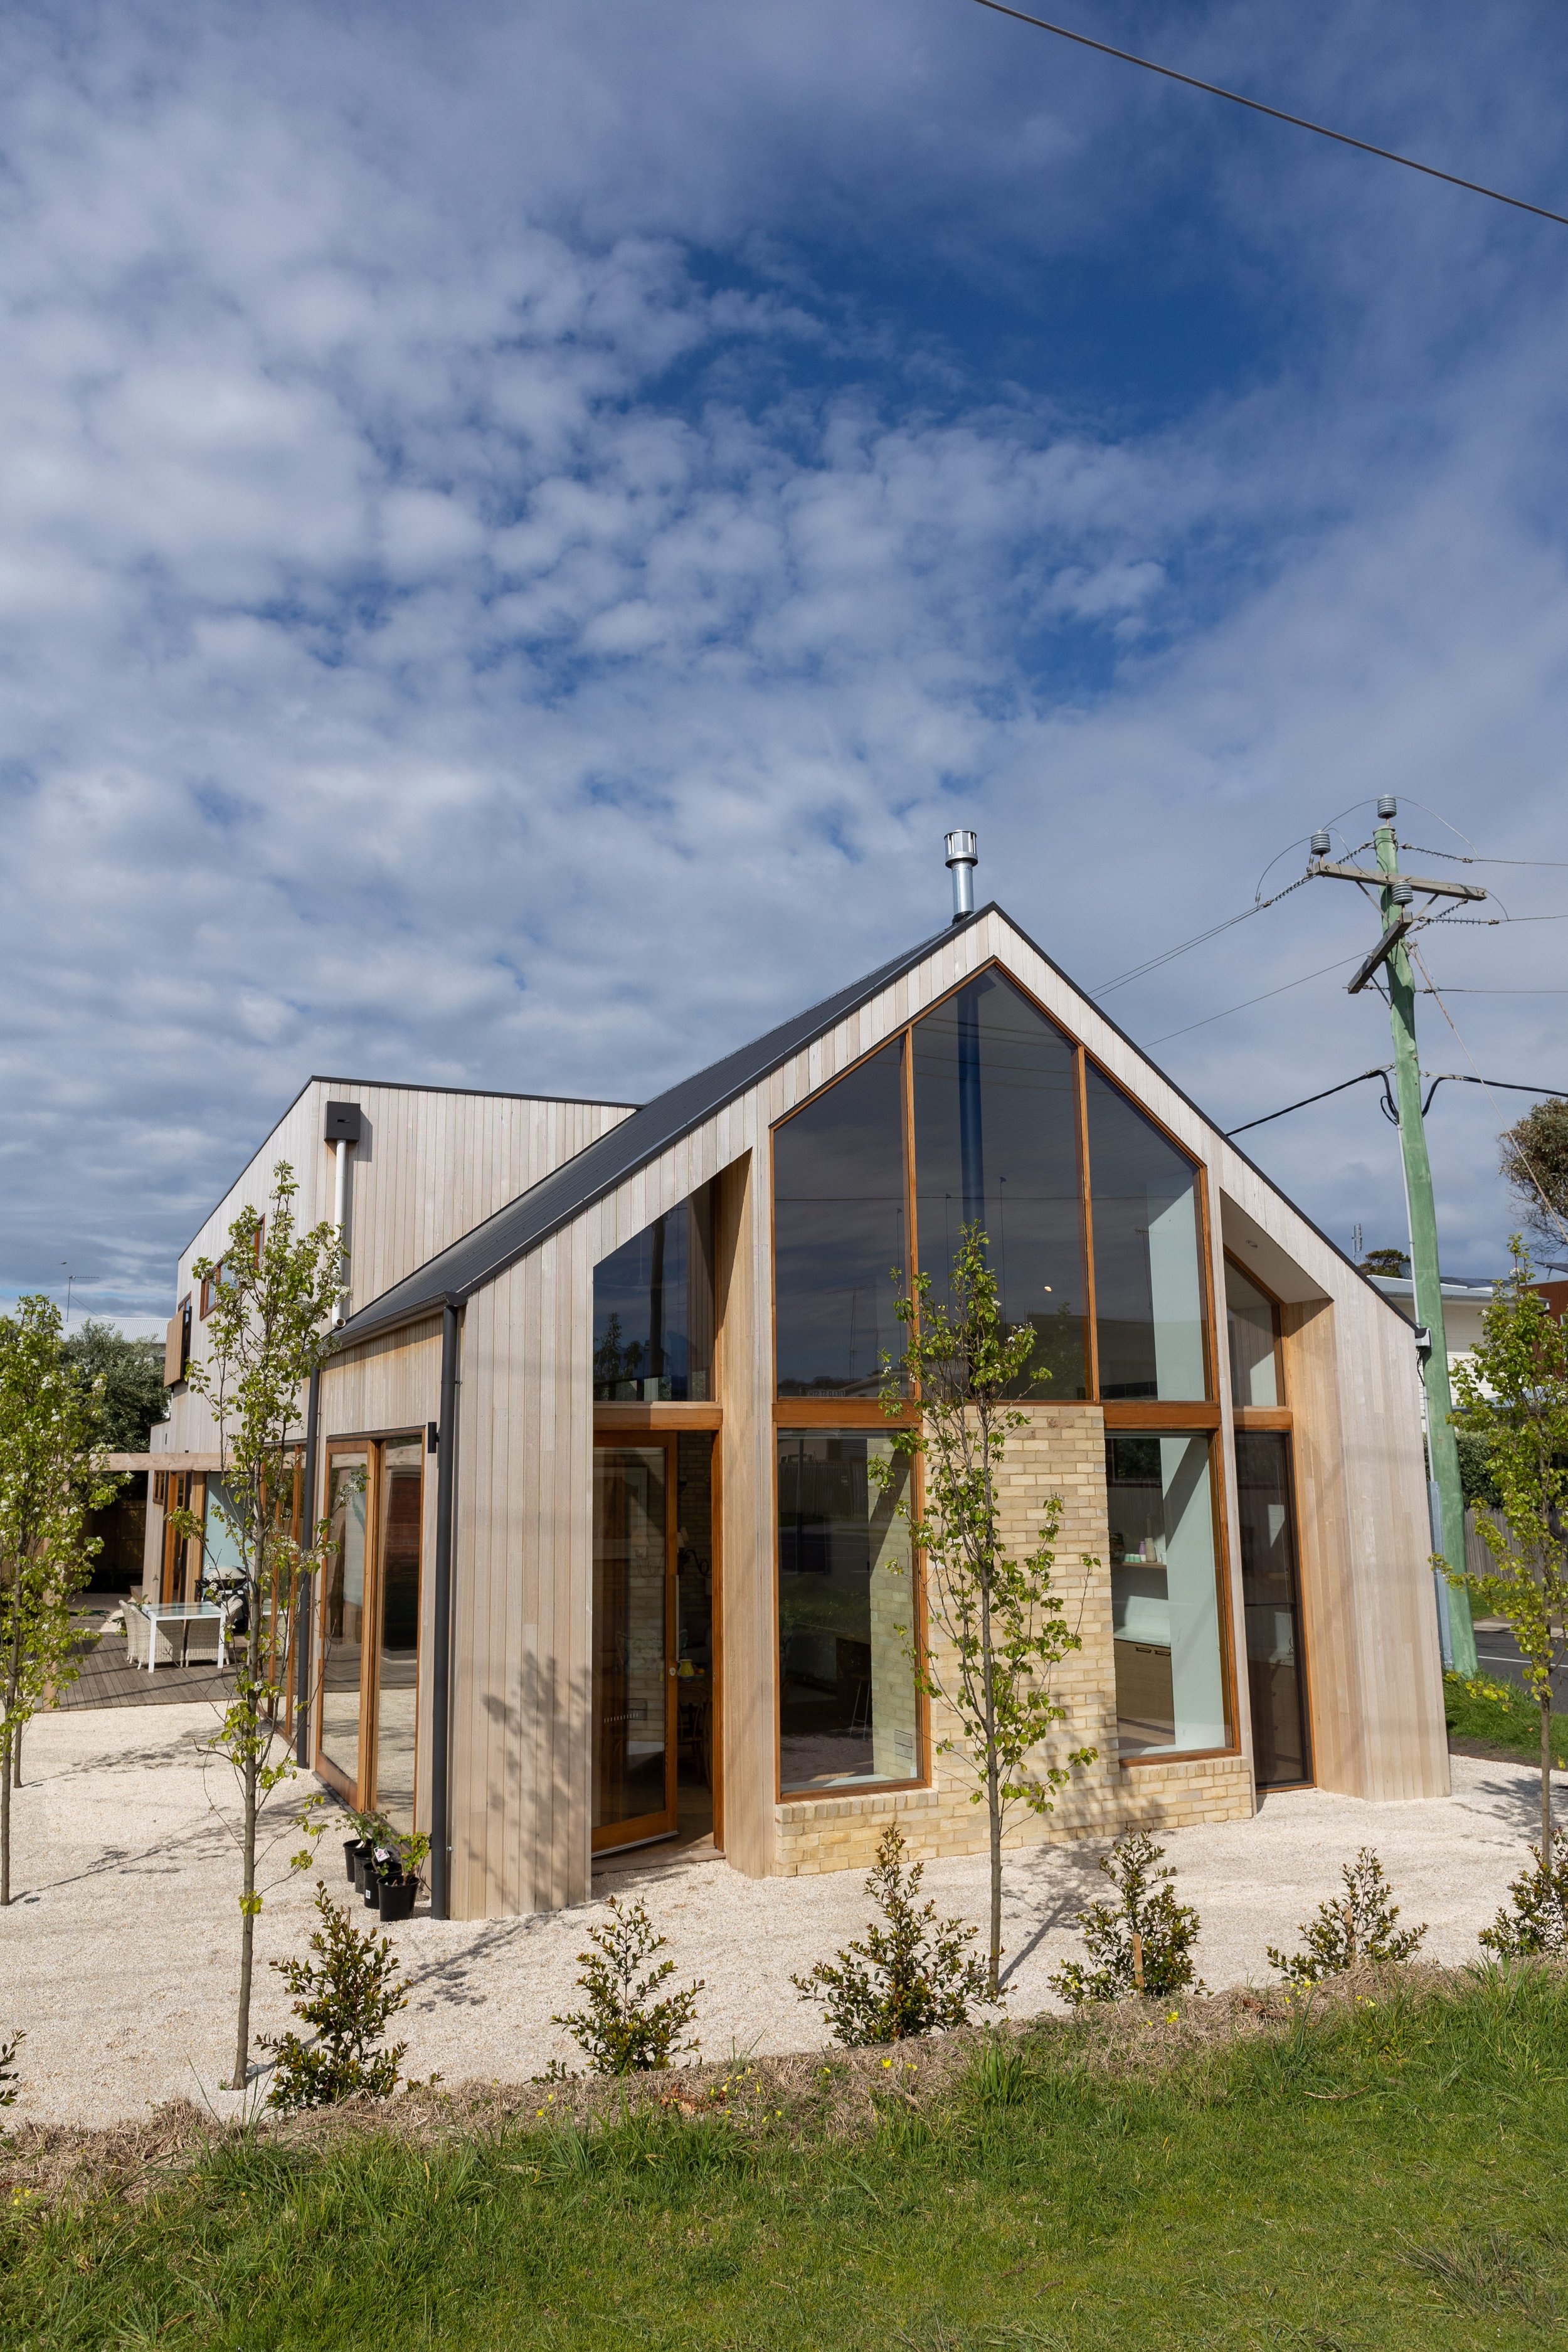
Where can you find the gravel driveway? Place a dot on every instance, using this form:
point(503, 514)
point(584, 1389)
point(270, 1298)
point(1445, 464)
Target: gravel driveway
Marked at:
point(117, 1956)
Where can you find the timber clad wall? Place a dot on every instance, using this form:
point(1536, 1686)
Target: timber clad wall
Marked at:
point(523, 1559)
point(431, 1167)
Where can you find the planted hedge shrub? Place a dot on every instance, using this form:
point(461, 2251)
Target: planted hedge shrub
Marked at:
point(1142, 1943)
point(913, 1974)
point(348, 1995)
point(1359, 1927)
point(622, 2028)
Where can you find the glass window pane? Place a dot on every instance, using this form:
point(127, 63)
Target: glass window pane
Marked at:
point(1147, 1279)
point(1269, 1592)
point(996, 1144)
point(653, 1310)
point(847, 1692)
point(630, 1550)
point(1164, 1594)
point(1254, 1364)
point(342, 1614)
point(402, 1490)
point(839, 1233)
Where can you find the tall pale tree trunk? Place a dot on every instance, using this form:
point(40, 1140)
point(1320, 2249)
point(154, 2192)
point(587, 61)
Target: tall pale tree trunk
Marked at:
point(247, 1899)
point(1546, 1781)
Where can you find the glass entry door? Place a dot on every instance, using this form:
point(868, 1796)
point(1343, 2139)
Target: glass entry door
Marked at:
point(635, 1634)
point(367, 1726)
point(1280, 1746)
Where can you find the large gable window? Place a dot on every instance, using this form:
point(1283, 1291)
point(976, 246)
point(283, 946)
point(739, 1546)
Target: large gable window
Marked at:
point(1148, 1282)
point(996, 1144)
point(840, 1232)
point(653, 1311)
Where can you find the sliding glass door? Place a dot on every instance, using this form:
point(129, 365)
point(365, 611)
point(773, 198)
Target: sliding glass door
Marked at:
point(634, 1643)
point(367, 1723)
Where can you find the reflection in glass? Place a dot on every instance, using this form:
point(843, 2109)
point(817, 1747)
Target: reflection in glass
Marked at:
point(996, 1144)
point(653, 1310)
point(694, 1661)
point(1273, 1608)
point(847, 1693)
point(401, 1496)
point(342, 1615)
point(630, 1551)
point(1253, 1365)
point(1148, 1285)
point(839, 1231)
point(1164, 1595)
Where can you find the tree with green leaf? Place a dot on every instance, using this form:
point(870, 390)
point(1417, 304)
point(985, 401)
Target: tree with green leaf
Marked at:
point(267, 1330)
point(1535, 1161)
point(997, 1624)
point(127, 1378)
point(1512, 1394)
point(51, 1475)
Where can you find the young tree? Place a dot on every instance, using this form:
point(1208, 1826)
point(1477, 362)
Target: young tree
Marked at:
point(1513, 1393)
point(997, 1622)
point(1535, 1162)
point(267, 1330)
point(50, 1478)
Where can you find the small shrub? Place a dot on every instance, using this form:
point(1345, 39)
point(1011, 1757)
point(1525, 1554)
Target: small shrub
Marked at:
point(10, 2076)
point(623, 2029)
point(1142, 1943)
point(1359, 1927)
point(1538, 1923)
point(350, 1999)
point(912, 1976)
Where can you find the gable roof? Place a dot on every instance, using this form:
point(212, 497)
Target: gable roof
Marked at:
point(478, 1257)
point(467, 1264)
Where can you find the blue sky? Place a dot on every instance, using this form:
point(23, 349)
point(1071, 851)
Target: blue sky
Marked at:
point(519, 528)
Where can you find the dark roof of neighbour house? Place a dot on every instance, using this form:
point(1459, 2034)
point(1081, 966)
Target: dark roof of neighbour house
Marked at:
point(478, 1257)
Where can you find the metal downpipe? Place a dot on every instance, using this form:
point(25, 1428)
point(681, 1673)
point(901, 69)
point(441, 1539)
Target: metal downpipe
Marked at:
point(441, 1644)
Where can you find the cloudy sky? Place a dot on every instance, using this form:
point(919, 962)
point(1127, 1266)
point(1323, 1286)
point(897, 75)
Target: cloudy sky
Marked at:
point(523, 525)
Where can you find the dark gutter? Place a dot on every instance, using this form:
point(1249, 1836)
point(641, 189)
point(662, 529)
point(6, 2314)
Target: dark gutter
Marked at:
point(441, 1645)
point(303, 1643)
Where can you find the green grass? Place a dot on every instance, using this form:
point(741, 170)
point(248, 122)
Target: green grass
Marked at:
point(1502, 1714)
point(1386, 2175)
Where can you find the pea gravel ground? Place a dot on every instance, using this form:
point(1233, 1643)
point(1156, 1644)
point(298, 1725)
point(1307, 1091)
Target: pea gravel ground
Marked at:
point(118, 1955)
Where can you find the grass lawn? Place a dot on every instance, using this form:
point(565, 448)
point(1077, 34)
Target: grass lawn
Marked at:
point(1385, 2173)
point(1501, 1715)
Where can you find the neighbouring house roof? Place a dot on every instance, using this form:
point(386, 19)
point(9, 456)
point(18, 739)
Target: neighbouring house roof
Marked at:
point(480, 1257)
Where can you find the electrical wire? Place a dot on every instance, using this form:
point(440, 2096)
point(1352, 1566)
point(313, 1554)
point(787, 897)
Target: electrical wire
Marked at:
point(1381, 1071)
point(1557, 864)
point(1278, 114)
point(1169, 954)
point(1338, 965)
point(1415, 953)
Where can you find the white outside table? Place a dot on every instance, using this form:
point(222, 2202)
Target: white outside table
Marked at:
point(181, 1615)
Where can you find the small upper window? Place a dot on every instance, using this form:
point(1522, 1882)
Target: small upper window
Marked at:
point(653, 1311)
point(1254, 1356)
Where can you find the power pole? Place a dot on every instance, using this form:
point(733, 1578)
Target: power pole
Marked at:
point(1395, 893)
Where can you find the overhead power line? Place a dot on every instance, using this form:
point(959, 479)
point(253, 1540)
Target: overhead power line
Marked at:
point(1381, 1072)
point(1276, 113)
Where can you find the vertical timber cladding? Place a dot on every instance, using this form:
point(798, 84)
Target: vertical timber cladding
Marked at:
point(522, 1564)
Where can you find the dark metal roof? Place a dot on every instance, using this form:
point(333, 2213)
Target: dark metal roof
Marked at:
point(467, 1264)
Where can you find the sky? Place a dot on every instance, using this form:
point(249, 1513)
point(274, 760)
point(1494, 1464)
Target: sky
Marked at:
point(522, 527)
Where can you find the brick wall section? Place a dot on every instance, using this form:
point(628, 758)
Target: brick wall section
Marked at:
point(1062, 1453)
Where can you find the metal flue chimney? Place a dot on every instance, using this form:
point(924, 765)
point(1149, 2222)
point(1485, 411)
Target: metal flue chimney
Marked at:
point(962, 850)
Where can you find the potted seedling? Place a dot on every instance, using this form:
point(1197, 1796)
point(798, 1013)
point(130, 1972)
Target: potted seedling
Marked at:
point(359, 1849)
point(399, 1855)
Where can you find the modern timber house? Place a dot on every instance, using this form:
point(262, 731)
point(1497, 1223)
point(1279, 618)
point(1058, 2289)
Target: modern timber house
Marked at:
point(597, 1439)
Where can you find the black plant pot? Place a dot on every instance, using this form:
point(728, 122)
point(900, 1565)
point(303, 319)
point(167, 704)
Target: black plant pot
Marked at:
point(397, 1897)
point(351, 1847)
point(359, 1855)
point(371, 1886)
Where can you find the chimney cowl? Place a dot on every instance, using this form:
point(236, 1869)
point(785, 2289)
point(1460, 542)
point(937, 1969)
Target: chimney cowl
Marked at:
point(962, 851)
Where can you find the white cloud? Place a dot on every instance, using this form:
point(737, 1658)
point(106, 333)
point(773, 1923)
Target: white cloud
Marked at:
point(491, 597)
